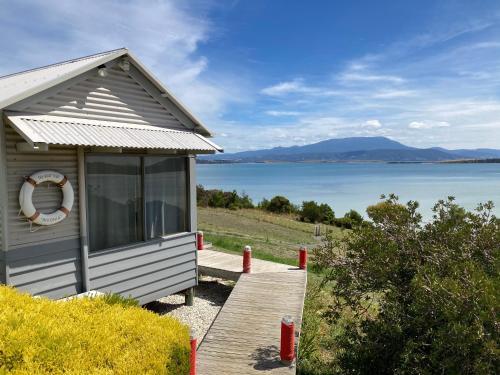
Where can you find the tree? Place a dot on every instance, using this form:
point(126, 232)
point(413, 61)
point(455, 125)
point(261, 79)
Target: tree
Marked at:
point(354, 217)
point(327, 214)
point(280, 204)
point(314, 213)
point(413, 297)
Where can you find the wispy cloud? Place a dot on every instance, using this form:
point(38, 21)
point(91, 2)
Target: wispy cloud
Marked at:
point(350, 77)
point(428, 124)
point(283, 113)
point(288, 87)
point(390, 94)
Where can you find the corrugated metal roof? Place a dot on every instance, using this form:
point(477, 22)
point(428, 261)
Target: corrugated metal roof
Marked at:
point(54, 130)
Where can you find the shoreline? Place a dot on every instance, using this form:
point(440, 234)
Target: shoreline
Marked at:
point(457, 161)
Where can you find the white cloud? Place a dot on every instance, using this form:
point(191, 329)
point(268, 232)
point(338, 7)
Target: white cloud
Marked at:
point(282, 113)
point(375, 124)
point(428, 124)
point(391, 94)
point(297, 86)
point(365, 77)
point(288, 87)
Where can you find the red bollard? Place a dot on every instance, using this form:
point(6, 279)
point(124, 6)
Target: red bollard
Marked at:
point(199, 240)
point(192, 357)
point(303, 258)
point(247, 259)
point(287, 347)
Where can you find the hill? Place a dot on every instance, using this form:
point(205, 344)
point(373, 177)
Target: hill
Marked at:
point(353, 149)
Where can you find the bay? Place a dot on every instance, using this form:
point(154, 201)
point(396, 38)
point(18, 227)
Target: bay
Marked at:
point(346, 186)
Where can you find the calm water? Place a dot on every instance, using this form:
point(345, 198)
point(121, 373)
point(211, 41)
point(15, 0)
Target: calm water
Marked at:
point(346, 186)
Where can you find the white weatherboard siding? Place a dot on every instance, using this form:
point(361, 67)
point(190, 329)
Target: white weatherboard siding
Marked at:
point(19, 165)
point(18, 86)
point(45, 262)
point(146, 271)
point(116, 97)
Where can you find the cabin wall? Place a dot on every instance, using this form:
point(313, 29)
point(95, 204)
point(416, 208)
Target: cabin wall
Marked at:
point(48, 261)
point(146, 271)
point(42, 260)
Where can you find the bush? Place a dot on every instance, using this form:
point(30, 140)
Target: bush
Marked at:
point(80, 336)
point(314, 213)
point(354, 217)
point(343, 222)
point(279, 205)
point(412, 297)
point(222, 199)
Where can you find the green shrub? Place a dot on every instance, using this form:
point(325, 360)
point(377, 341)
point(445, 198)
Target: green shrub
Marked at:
point(87, 336)
point(279, 205)
point(222, 199)
point(316, 213)
point(343, 222)
point(412, 297)
point(354, 217)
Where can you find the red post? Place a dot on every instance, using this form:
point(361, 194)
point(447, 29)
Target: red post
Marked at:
point(303, 258)
point(287, 346)
point(192, 357)
point(199, 240)
point(247, 259)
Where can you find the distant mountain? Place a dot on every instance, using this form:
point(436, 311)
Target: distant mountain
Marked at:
point(354, 149)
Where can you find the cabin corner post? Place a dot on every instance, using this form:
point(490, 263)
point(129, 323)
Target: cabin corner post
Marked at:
point(3, 202)
point(83, 220)
point(193, 218)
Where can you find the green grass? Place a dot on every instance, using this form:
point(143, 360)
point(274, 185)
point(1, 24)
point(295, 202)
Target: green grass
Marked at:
point(236, 245)
point(272, 237)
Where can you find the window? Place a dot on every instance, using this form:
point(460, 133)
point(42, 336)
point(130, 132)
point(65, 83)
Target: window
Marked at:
point(133, 198)
point(166, 198)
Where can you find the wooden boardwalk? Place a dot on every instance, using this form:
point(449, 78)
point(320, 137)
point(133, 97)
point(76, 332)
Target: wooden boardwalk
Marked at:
point(245, 336)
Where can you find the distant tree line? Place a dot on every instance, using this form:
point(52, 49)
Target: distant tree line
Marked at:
point(308, 211)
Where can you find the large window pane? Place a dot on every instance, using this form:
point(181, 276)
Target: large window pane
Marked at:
point(165, 188)
point(114, 201)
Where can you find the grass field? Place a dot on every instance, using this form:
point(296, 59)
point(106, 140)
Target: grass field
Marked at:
point(272, 237)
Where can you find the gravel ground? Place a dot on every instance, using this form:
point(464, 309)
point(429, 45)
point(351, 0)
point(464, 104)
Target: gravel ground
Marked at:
point(210, 296)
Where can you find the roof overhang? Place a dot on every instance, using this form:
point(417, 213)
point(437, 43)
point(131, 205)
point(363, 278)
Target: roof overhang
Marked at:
point(39, 130)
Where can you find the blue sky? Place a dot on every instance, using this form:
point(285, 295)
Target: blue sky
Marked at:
point(264, 73)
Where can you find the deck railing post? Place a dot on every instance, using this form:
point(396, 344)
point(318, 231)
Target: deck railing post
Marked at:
point(192, 357)
point(303, 258)
point(199, 240)
point(247, 259)
point(287, 345)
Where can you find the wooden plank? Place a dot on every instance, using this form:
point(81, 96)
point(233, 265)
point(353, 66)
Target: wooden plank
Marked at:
point(245, 336)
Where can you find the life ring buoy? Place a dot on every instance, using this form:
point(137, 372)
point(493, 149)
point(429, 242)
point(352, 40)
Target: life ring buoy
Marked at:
point(26, 197)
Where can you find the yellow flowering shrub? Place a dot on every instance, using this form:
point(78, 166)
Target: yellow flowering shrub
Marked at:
point(87, 336)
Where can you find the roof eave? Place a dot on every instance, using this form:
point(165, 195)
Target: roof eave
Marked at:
point(62, 78)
